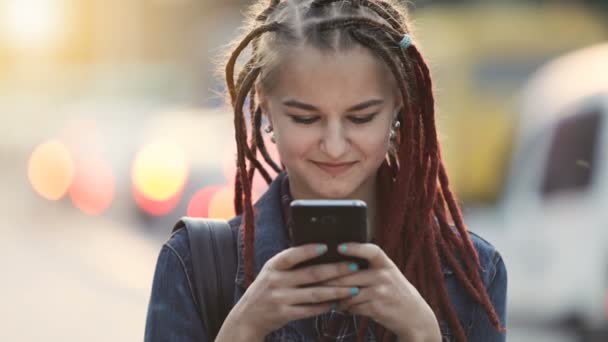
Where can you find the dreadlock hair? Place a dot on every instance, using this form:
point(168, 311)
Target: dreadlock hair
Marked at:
point(412, 179)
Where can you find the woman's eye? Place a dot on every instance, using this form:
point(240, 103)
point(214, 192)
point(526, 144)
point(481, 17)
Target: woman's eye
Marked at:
point(307, 120)
point(362, 119)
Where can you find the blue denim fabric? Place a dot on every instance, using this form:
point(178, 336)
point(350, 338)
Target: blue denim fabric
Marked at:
point(173, 315)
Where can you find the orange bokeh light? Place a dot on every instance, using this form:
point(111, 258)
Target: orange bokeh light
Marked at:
point(160, 170)
point(51, 170)
point(155, 208)
point(93, 188)
point(221, 205)
point(199, 204)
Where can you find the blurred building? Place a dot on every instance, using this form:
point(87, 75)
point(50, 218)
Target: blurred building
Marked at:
point(164, 44)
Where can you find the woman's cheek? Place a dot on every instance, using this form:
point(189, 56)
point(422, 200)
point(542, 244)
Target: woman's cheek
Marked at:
point(374, 146)
point(291, 147)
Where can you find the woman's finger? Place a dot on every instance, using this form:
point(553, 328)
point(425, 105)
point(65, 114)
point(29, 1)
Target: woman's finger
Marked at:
point(363, 278)
point(292, 256)
point(369, 251)
point(314, 295)
point(318, 273)
point(295, 312)
point(363, 295)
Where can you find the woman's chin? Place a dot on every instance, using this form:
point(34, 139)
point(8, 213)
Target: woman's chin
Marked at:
point(334, 193)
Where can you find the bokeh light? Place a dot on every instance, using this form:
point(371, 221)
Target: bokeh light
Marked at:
point(160, 170)
point(222, 205)
point(155, 208)
point(94, 185)
point(199, 203)
point(31, 23)
point(51, 169)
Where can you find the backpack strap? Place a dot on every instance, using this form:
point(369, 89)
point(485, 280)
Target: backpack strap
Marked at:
point(213, 245)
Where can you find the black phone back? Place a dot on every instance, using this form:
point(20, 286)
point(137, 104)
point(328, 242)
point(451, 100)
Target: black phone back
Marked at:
point(331, 222)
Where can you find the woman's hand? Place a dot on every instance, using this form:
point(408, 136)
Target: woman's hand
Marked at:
point(386, 296)
point(277, 296)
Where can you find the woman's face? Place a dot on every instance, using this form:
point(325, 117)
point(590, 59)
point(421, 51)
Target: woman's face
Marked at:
point(331, 114)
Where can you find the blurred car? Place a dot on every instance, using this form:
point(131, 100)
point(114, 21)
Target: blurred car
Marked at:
point(551, 222)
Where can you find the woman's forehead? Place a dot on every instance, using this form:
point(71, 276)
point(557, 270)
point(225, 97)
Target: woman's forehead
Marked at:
point(345, 75)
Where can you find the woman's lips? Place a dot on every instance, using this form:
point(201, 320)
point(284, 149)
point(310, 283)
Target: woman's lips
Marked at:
point(335, 169)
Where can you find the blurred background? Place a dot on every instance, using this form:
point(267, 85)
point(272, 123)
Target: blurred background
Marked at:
point(113, 125)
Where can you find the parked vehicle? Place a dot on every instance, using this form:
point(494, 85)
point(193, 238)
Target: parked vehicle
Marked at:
point(551, 224)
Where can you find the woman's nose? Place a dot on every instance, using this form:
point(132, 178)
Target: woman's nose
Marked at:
point(334, 143)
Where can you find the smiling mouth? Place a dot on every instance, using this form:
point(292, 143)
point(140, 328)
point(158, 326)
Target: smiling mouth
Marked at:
point(335, 169)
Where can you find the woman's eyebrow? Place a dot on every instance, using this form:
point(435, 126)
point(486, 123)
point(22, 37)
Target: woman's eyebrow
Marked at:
point(305, 106)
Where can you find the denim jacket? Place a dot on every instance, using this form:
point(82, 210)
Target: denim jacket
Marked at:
point(174, 316)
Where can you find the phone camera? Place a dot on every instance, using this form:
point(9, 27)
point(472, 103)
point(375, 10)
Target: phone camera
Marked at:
point(328, 220)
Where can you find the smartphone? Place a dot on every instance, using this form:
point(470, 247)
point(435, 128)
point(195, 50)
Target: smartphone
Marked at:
point(331, 222)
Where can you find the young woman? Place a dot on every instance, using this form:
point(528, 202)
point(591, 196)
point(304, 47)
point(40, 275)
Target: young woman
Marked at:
point(348, 100)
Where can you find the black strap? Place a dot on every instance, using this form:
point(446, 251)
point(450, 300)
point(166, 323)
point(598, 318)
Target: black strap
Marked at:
point(213, 245)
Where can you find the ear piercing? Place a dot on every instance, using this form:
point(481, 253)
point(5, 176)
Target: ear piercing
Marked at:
point(268, 129)
point(393, 133)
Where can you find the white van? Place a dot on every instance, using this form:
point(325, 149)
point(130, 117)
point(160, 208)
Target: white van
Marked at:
point(551, 225)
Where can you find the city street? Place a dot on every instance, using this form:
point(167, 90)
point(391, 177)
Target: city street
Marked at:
point(69, 277)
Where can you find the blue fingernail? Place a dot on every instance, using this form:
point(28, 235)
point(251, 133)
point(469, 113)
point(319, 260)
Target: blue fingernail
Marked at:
point(354, 291)
point(321, 249)
point(334, 306)
point(353, 267)
point(342, 248)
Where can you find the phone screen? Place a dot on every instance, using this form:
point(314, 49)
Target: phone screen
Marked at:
point(331, 222)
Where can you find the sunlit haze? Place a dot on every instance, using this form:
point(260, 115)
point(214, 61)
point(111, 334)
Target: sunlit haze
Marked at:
point(31, 24)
